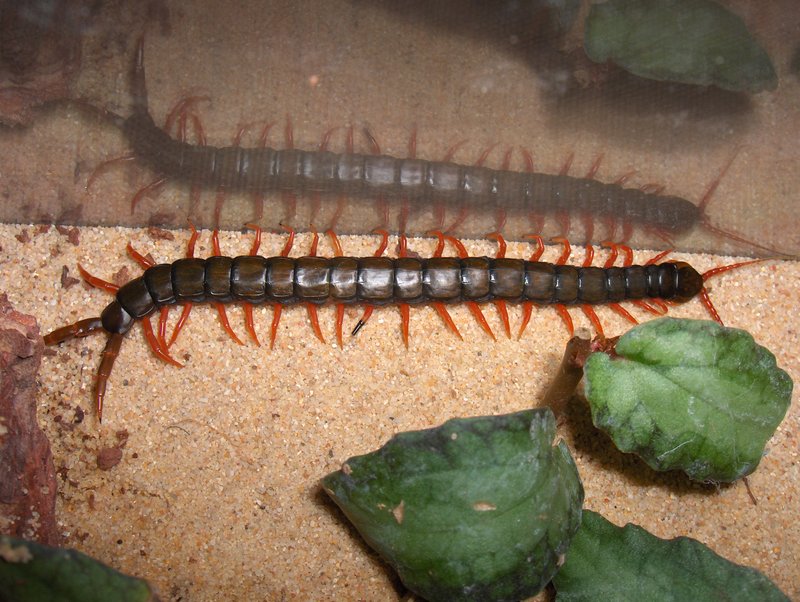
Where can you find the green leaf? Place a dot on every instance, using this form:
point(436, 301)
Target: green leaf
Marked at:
point(606, 562)
point(689, 395)
point(476, 509)
point(30, 572)
point(689, 41)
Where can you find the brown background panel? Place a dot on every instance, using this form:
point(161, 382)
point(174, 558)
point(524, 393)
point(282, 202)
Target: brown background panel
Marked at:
point(455, 71)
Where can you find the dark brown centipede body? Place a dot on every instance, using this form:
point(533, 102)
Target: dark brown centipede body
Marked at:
point(388, 281)
point(403, 282)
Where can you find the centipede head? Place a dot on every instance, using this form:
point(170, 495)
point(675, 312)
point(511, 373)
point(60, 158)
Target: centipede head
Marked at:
point(689, 282)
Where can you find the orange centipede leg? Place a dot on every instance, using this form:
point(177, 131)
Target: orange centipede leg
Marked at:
point(623, 312)
point(527, 307)
point(647, 307)
point(405, 318)
point(368, 309)
point(656, 258)
point(476, 312)
point(220, 307)
point(162, 328)
point(705, 299)
point(313, 316)
point(500, 304)
point(287, 247)
point(249, 323)
point(613, 254)
point(337, 252)
point(187, 309)
point(339, 324)
point(226, 325)
point(527, 312)
point(502, 309)
point(567, 249)
point(661, 305)
point(562, 311)
point(150, 336)
point(337, 246)
point(144, 262)
point(473, 307)
point(448, 320)
point(405, 308)
point(97, 282)
point(501, 244)
point(276, 318)
point(592, 315)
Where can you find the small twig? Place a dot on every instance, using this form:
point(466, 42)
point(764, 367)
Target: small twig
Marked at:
point(750, 492)
point(570, 371)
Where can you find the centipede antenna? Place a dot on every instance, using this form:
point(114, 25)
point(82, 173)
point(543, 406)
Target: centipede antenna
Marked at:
point(726, 268)
point(81, 328)
point(705, 299)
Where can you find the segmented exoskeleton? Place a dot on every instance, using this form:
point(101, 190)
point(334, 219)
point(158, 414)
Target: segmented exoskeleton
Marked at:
point(372, 281)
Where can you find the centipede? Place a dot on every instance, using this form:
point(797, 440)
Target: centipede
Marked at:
point(404, 281)
point(411, 181)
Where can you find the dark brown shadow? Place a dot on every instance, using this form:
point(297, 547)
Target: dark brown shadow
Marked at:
point(325, 503)
point(625, 104)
